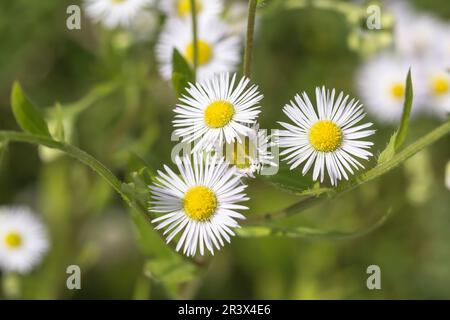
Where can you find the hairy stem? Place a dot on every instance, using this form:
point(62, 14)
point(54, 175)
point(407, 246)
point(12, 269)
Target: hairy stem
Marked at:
point(249, 38)
point(194, 36)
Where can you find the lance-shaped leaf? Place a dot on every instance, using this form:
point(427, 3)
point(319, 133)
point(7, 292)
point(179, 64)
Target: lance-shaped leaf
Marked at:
point(182, 73)
point(407, 106)
point(27, 115)
point(399, 136)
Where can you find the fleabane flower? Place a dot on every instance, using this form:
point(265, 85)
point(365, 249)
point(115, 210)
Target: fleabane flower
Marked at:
point(327, 139)
point(217, 50)
point(417, 35)
point(251, 155)
point(115, 13)
point(381, 85)
point(200, 203)
point(23, 240)
point(181, 9)
point(437, 79)
point(216, 111)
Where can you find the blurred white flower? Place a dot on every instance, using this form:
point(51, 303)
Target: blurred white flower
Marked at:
point(200, 203)
point(236, 16)
point(181, 9)
point(23, 239)
point(217, 50)
point(217, 111)
point(438, 89)
point(327, 137)
point(381, 85)
point(416, 35)
point(115, 13)
point(144, 26)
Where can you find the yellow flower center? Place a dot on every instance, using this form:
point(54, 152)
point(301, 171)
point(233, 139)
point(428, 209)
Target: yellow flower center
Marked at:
point(13, 240)
point(240, 154)
point(117, 1)
point(200, 203)
point(325, 136)
point(398, 90)
point(218, 114)
point(204, 52)
point(184, 7)
point(440, 85)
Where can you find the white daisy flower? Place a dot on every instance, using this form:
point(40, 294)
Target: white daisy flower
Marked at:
point(200, 203)
point(328, 138)
point(23, 240)
point(115, 13)
point(217, 50)
point(181, 9)
point(438, 89)
point(381, 85)
point(217, 111)
point(251, 155)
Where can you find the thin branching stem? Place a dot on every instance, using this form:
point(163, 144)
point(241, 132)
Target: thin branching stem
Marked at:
point(249, 38)
point(194, 36)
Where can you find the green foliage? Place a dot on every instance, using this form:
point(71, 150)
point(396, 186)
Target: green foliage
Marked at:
point(407, 106)
point(311, 233)
point(59, 133)
point(170, 271)
point(27, 115)
point(182, 73)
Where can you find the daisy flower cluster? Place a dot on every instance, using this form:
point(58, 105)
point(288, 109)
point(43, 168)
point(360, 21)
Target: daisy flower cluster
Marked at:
point(217, 45)
point(200, 205)
point(23, 240)
point(422, 42)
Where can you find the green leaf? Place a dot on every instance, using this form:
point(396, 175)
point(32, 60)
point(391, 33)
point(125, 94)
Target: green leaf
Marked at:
point(407, 106)
point(291, 181)
point(311, 233)
point(27, 115)
point(170, 271)
point(182, 72)
point(399, 136)
point(148, 240)
point(389, 152)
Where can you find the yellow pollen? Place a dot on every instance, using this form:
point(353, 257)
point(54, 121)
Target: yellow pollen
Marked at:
point(440, 85)
point(184, 7)
point(204, 52)
point(240, 154)
point(13, 240)
point(325, 136)
point(200, 203)
point(218, 114)
point(398, 90)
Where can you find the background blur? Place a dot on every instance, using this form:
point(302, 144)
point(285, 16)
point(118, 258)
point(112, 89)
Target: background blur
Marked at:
point(123, 112)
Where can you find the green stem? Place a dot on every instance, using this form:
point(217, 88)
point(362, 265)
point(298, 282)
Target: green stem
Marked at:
point(370, 175)
point(249, 39)
point(88, 160)
point(194, 36)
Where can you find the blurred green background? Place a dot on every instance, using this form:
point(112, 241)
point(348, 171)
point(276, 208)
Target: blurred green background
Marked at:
point(129, 117)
